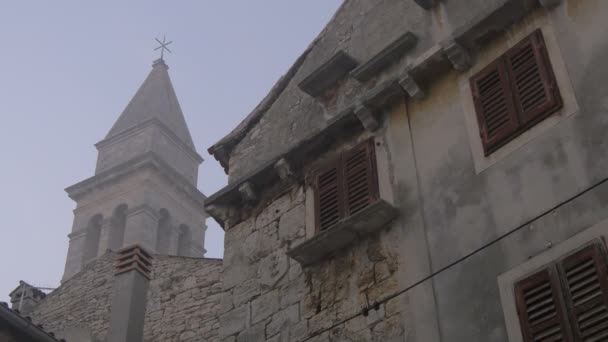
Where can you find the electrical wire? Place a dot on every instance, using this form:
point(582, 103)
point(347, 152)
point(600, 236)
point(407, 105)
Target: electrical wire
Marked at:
point(365, 310)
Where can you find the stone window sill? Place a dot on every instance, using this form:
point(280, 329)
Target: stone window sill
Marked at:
point(344, 233)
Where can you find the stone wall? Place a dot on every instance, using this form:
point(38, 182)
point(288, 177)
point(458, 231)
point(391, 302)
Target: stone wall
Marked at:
point(183, 300)
point(82, 301)
point(270, 297)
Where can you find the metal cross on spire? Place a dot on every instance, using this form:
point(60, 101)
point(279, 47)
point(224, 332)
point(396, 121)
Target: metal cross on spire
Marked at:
point(163, 46)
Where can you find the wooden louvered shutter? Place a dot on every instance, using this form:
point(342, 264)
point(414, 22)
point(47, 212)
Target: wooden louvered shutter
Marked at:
point(329, 196)
point(494, 105)
point(586, 283)
point(540, 313)
point(360, 181)
point(534, 87)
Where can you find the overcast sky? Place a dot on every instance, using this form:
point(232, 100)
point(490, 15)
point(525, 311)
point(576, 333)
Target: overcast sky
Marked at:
point(70, 67)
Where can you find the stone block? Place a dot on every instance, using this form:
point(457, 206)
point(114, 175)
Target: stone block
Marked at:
point(233, 321)
point(273, 268)
point(292, 224)
point(246, 291)
point(274, 210)
point(287, 316)
point(264, 306)
point(459, 56)
point(253, 334)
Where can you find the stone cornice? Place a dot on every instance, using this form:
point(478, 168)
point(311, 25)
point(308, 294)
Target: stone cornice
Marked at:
point(149, 160)
point(139, 127)
point(454, 52)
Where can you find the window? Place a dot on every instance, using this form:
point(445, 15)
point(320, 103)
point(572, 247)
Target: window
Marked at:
point(345, 186)
point(515, 92)
point(566, 301)
point(343, 204)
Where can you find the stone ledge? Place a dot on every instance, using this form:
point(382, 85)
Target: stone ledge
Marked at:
point(146, 160)
point(389, 55)
point(344, 233)
point(328, 74)
point(222, 205)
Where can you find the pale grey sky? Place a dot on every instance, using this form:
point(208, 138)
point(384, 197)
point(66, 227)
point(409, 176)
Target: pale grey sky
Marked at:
point(69, 69)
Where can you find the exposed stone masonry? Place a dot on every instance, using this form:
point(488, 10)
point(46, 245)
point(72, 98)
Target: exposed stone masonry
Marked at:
point(82, 301)
point(183, 300)
point(269, 297)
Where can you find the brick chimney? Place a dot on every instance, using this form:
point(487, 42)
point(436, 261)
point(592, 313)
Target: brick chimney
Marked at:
point(132, 277)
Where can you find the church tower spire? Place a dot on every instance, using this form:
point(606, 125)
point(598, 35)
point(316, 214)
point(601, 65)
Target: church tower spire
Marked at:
point(144, 188)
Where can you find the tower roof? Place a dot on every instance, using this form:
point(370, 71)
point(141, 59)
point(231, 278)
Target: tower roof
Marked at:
point(155, 99)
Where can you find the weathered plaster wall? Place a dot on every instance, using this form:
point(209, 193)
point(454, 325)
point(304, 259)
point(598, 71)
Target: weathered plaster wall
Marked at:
point(448, 208)
point(183, 300)
point(465, 210)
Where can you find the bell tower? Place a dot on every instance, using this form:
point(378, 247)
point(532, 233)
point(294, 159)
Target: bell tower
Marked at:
point(144, 190)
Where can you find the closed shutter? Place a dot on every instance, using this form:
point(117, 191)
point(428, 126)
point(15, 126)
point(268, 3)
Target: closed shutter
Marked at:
point(585, 278)
point(534, 87)
point(540, 313)
point(329, 196)
point(496, 113)
point(360, 181)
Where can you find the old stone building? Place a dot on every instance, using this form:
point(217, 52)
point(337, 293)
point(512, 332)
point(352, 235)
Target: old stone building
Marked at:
point(427, 170)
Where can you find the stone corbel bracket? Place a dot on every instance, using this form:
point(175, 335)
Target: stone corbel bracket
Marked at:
point(411, 87)
point(223, 214)
point(248, 192)
point(367, 117)
point(283, 169)
point(458, 55)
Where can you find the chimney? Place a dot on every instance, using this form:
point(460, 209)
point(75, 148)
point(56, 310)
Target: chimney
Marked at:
point(25, 298)
point(133, 265)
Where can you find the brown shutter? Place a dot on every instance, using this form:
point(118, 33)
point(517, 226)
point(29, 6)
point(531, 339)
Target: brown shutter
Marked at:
point(540, 313)
point(360, 181)
point(587, 293)
point(496, 113)
point(534, 87)
point(329, 196)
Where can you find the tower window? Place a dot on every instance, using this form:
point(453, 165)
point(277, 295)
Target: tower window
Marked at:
point(91, 245)
point(184, 241)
